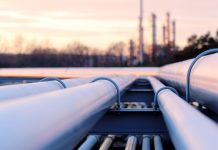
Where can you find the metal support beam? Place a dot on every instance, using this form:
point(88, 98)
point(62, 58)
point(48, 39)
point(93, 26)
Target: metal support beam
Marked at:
point(131, 122)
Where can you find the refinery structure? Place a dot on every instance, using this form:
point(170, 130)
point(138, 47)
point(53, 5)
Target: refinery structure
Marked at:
point(138, 54)
point(173, 107)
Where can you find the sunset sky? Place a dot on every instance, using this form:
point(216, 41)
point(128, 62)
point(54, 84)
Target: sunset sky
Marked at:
point(98, 23)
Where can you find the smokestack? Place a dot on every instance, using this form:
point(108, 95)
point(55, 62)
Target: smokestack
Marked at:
point(141, 36)
point(164, 35)
point(174, 34)
point(131, 52)
point(154, 36)
point(168, 28)
point(154, 33)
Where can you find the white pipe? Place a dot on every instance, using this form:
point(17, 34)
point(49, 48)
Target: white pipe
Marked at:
point(10, 92)
point(189, 129)
point(131, 143)
point(204, 77)
point(89, 143)
point(59, 119)
point(107, 142)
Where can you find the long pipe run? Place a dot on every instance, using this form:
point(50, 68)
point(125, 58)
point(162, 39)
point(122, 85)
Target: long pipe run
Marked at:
point(188, 128)
point(59, 119)
point(203, 83)
point(10, 92)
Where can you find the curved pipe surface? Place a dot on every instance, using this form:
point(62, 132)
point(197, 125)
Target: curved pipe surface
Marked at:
point(115, 85)
point(203, 83)
point(11, 92)
point(188, 78)
point(189, 129)
point(59, 119)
